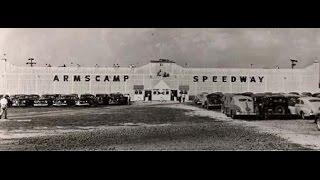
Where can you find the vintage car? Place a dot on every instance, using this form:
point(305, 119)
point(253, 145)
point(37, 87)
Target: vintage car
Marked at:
point(307, 107)
point(13, 97)
point(24, 100)
point(118, 99)
point(306, 94)
point(271, 105)
point(45, 100)
point(103, 99)
point(237, 105)
point(65, 100)
point(199, 99)
point(212, 100)
point(87, 100)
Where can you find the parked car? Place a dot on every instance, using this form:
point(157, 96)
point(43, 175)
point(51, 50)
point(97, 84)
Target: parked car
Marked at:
point(199, 99)
point(103, 99)
point(307, 107)
point(65, 100)
point(306, 94)
point(87, 100)
point(272, 105)
point(238, 105)
point(45, 100)
point(23, 100)
point(212, 100)
point(13, 97)
point(118, 99)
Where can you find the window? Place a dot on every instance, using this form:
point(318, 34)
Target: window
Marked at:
point(314, 100)
point(167, 92)
point(242, 100)
point(136, 92)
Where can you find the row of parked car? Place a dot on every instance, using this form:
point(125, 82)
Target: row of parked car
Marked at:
point(67, 100)
point(263, 105)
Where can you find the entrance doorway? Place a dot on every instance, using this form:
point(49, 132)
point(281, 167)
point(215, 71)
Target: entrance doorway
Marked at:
point(148, 95)
point(174, 93)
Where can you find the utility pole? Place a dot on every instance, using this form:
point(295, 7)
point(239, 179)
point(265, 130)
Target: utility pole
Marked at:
point(293, 63)
point(31, 62)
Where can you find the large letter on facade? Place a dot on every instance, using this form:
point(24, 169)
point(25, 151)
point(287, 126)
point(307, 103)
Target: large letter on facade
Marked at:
point(233, 79)
point(87, 77)
point(253, 79)
point(195, 79)
point(76, 78)
point(65, 78)
point(125, 77)
point(56, 78)
point(98, 78)
point(243, 78)
point(224, 78)
point(214, 78)
point(204, 78)
point(261, 78)
point(106, 78)
point(116, 78)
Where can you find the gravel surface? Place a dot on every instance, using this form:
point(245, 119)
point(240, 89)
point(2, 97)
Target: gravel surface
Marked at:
point(141, 127)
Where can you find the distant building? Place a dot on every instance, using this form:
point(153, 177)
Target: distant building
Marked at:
point(158, 80)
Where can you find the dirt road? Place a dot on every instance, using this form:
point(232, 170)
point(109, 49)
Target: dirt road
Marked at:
point(138, 127)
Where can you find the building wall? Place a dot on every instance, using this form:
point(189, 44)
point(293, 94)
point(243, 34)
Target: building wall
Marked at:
point(40, 80)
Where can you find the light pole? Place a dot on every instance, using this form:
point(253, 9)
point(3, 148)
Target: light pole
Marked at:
point(293, 63)
point(31, 62)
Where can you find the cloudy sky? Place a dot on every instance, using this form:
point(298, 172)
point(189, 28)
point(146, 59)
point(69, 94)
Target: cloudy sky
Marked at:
point(197, 47)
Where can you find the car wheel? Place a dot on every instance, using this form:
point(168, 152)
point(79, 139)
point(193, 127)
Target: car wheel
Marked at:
point(280, 110)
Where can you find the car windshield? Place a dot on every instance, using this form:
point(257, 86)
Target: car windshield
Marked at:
point(48, 96)
point(277, 99)
point(314, 100)
point(213, 96)
point(86, 96)
point(243, 100)
point(65, 97)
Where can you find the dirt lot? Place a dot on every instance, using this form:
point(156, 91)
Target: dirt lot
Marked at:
point(142, 127)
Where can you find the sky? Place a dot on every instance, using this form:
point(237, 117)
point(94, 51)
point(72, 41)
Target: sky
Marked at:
point(207, 47)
